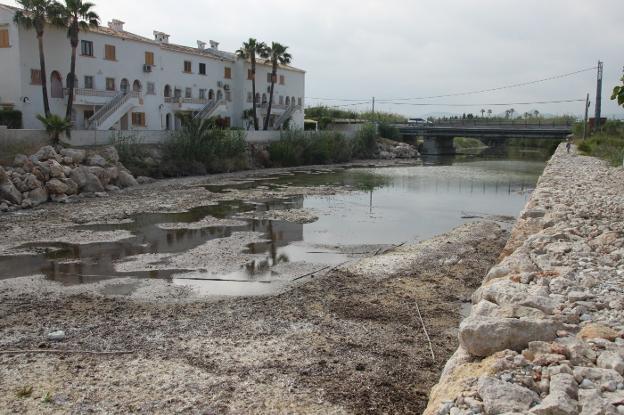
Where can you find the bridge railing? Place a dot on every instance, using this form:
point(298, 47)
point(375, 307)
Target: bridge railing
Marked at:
point(484, 122)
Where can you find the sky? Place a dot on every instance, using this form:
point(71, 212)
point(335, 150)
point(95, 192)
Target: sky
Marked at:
point(354, 50)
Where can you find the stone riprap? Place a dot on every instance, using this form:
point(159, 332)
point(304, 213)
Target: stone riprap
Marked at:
point(544, 335)
point(61, 176)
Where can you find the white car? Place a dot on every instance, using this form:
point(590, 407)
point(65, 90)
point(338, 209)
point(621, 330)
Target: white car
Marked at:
point(416, 121)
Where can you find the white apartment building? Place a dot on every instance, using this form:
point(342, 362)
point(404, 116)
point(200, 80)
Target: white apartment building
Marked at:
point(126, 81)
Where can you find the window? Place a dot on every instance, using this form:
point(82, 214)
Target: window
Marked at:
point(249, 75)
point(110, 84)
point(202, 94)
point(56, 90)
point(35, 76)
point(299, 101)
point(88, 82)
point(188, 93)
point(249, 97)
point(149, 58)
point(177, 93)
point(227, 73)
point(86, 48)
point(87, 114)
point(281, 100)
point(151, 88)
point(228, 96)
point(4, 38)
point(109, 53)
point(188, 66)
point(138, 119)
point(202, 69)
point(282, 80)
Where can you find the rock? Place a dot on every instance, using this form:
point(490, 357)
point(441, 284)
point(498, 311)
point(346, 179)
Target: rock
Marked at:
point(597, 331)
point(556, 403)
point(26, 203)
point(486, 336)
point(72, 186)
point(593, 404)
point(113, 173)
point(110, 154)
point(101, 173)
point(38, 196)
point(96, 160)
point(499, 397)
point(125, 179)
point(611, 360)
point(20, 160)
point(58, 335)
point(59, 198)
point(46, 153)
point(533, 213)
point(4, 207)
point(56, 170)
point(86, 180)
point(145, 180)
point(112, 188)
point(77, 156)
point(31, 182)
point(56, 187)
point(8, 191)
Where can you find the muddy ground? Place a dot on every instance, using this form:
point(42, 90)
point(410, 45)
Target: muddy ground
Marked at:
point(347, 341)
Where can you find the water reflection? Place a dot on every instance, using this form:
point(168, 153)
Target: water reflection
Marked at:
point(387, 205)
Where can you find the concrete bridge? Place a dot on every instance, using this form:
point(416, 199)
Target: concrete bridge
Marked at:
point(438, 137)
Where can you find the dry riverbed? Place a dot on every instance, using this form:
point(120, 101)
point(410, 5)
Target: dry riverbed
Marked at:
point(345, 340)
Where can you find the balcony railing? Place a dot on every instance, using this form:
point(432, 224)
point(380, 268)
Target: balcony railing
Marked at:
point(87, 92)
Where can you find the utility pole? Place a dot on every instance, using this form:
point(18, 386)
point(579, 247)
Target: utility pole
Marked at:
point(373, 105)
point(586, 115)
point(598, 95)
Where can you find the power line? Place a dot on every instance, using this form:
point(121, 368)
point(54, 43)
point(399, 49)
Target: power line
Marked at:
point(550, 78)
point(434, 104)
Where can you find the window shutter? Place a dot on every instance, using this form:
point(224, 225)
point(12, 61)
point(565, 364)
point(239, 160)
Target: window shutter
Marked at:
point(4, 38)
point(149, 58)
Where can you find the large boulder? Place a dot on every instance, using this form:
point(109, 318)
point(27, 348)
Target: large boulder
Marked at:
point(101, 173)
point(125, 179)
point(56, 170)
point(77, 156)
point(8, 191)
point(46, 153)
point(484, 336)
point(20, 160)
point(38, 196)
point(86, 180)
point(72, 186)
point(110, 154)
point(31, 182)
point(499, 396)
point(96, 160)
point(56, 187)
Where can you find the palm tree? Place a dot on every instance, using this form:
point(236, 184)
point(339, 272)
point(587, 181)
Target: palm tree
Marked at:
point(482, 112)
point(54, 126)
point(511, 112)
point(35, 13)
point(536, 113)
point(249, 50)
point(77, 16)
point(489, 111)
point(276, 55)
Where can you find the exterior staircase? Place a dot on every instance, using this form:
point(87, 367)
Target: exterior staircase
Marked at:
point(277, 125)
point(105, 117)
point(209, 109)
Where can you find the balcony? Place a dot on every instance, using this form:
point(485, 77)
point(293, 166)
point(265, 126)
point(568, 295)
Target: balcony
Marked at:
point(188, 104)
point(85, 96)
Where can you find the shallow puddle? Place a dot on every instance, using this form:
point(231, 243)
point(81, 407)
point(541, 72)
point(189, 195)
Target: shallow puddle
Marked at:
point(386, 206)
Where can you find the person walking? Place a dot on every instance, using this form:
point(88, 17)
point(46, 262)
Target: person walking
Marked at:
point(568, 144)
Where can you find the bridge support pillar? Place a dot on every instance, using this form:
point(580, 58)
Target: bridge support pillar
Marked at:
point(438, 146)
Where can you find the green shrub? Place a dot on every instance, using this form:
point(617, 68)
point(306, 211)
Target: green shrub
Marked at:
point(607, 144)
point(11, 118)
point(365, 145)
point(202, 146)
point(389, 131)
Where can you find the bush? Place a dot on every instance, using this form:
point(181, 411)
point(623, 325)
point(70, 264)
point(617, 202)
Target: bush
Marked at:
point(365, 145)
point(11, 118)
point(201, 146)
point(389, 131)
point(607, 144)
point(135, 156)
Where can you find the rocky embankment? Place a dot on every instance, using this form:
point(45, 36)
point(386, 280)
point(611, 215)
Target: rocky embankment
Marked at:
point(62, 176)
point(545, 334)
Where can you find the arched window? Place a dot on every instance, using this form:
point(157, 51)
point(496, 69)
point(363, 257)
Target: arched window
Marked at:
point(211, 94)
point(257, 97)
point(168, 122)
point(136, 86)
point(56, 87)
point(287, 101)
point(219, 95)
point(167, 91)
point(264, 98)
point(125, 85)
point(292, 100)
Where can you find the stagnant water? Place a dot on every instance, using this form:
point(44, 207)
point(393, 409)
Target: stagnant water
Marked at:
point(390, 205)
